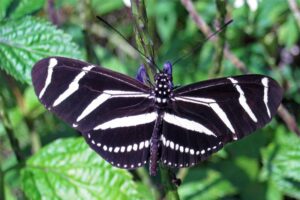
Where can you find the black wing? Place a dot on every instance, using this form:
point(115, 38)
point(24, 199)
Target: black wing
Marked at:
point(111, 110)
point(202, 117)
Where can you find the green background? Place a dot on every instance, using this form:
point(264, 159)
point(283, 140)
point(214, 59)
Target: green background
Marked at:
point(43, 158)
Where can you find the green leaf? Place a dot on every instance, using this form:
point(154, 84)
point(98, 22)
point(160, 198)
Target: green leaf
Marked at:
point(273, 193)
point(241, 176)
point(289, 28)
point(145, 191)
point(3, 7)
point(23, 42)
point(269, 13)
point(281, 164)
point(69, 169)
point(26, 7)
point(205, 184)
point(8, 194)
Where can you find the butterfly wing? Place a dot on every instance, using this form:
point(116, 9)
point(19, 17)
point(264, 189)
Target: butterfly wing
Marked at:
point(111, 110)
point(202, 117)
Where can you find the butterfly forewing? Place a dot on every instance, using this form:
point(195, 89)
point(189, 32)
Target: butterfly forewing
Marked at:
point(96, 101)
point(206, 115)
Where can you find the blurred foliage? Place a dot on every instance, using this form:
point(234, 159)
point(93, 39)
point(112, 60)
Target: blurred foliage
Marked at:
point(58, 165)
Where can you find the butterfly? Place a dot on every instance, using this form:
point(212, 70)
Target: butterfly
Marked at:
point(131, 124)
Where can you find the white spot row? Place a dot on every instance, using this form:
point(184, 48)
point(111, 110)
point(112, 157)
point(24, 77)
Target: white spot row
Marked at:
point(178, 165)
point(129, 165)
point(122, 149)
point(182, 149)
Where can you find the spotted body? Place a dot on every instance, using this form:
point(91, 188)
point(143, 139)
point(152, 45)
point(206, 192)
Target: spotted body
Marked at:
point(163, 89)
point(162, 95)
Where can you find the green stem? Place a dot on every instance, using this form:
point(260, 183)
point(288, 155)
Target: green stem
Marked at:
point(10, 132)
point(87, 17)
point(145, 43)
point(143, 38)
point(13, 142)
point(143, 174)
point(221, 15)
point(182, 173)
point(34, 136)
point(170, 190)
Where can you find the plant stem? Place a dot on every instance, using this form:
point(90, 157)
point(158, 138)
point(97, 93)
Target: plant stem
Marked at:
point(183, 172)
point(34, 136)
point(144, 42)
point(143, 174)
point(52, 13)
point(221, 14)
point(10, 132)
point(143, 38)
point(14, 145)
point(17, 94)
point(170, 190)
point(86, 17)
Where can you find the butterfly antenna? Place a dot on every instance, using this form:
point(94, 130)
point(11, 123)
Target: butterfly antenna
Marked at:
point(148, 60)
point(202, 42)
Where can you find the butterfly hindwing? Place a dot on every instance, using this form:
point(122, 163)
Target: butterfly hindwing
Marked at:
point(206, 115)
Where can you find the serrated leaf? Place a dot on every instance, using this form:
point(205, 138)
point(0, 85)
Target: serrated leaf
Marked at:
point(23, 42)
point(205, 184)
point(69, 169)
point(281, 163)
point(26, 7)
point(3, 7)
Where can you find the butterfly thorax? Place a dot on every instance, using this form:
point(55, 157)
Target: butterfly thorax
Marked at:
point(163, 89)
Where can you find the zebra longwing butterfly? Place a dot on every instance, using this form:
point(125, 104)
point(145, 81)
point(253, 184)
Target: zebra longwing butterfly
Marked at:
point(130, 124)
